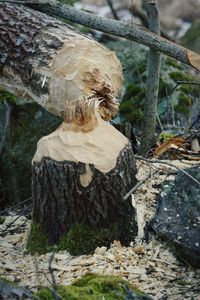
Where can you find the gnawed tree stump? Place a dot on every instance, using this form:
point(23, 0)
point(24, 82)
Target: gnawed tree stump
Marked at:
point(81, 178)
point(83, 169)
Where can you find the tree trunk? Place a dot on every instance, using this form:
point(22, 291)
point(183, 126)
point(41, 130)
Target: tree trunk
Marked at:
point(81, 178)
point(69, 193)
point(82, 170)
point(149, 127)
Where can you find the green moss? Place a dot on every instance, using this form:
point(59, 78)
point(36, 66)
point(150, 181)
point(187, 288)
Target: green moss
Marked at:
point(165, 136)
point(7, 96)
point(174, 63)
point(37, 241)
point(2, 220)
point(132, 103)
point(68, 2)
point(181, 76)
point(134, 60)
point(184, 104)
point(81, 239)
point(94, 287)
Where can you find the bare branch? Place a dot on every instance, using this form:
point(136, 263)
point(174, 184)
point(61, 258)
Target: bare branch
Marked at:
point(138, 184)
point(178, 83)
point(112, 9)
point(157, 161)
point(131, 32)
point(55, 294)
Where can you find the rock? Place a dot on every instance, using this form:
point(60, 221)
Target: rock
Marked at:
point(191, 39)
point(28, 123)
point(177, 216)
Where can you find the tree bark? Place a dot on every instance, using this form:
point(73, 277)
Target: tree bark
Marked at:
point(29, 41)
point(62, 198)
point(150, 112)
point(82, 170)
point(131, 32)
point(36, 51)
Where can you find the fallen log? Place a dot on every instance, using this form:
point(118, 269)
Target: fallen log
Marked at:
point(122, 29)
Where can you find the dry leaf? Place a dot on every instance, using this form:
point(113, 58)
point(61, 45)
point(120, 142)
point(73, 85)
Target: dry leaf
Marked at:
point(167, 145)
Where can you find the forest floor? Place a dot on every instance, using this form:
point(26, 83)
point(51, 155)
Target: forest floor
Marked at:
point(150, 266)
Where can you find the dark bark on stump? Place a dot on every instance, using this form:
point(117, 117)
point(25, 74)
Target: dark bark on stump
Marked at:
point(60, 201)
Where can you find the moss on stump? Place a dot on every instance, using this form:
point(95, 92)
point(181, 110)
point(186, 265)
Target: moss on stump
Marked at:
point(80, 239)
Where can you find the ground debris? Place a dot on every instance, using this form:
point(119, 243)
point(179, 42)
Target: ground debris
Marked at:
point(150, 266)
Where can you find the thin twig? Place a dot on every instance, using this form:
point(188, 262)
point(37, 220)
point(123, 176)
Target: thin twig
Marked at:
point(110, 4)
point(198, 119)
point(157, 161)
point(178, 83)
point(6, 126)
point(11, 223)
point(55, 294)
point(192, 288)
point(2, 212)
point(139, 183)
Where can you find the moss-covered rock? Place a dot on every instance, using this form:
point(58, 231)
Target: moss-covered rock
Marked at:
point(94, 287)
point(28, 123)
point(191, 39)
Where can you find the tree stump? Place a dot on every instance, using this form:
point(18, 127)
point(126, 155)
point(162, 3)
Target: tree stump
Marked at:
point(88, 191)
